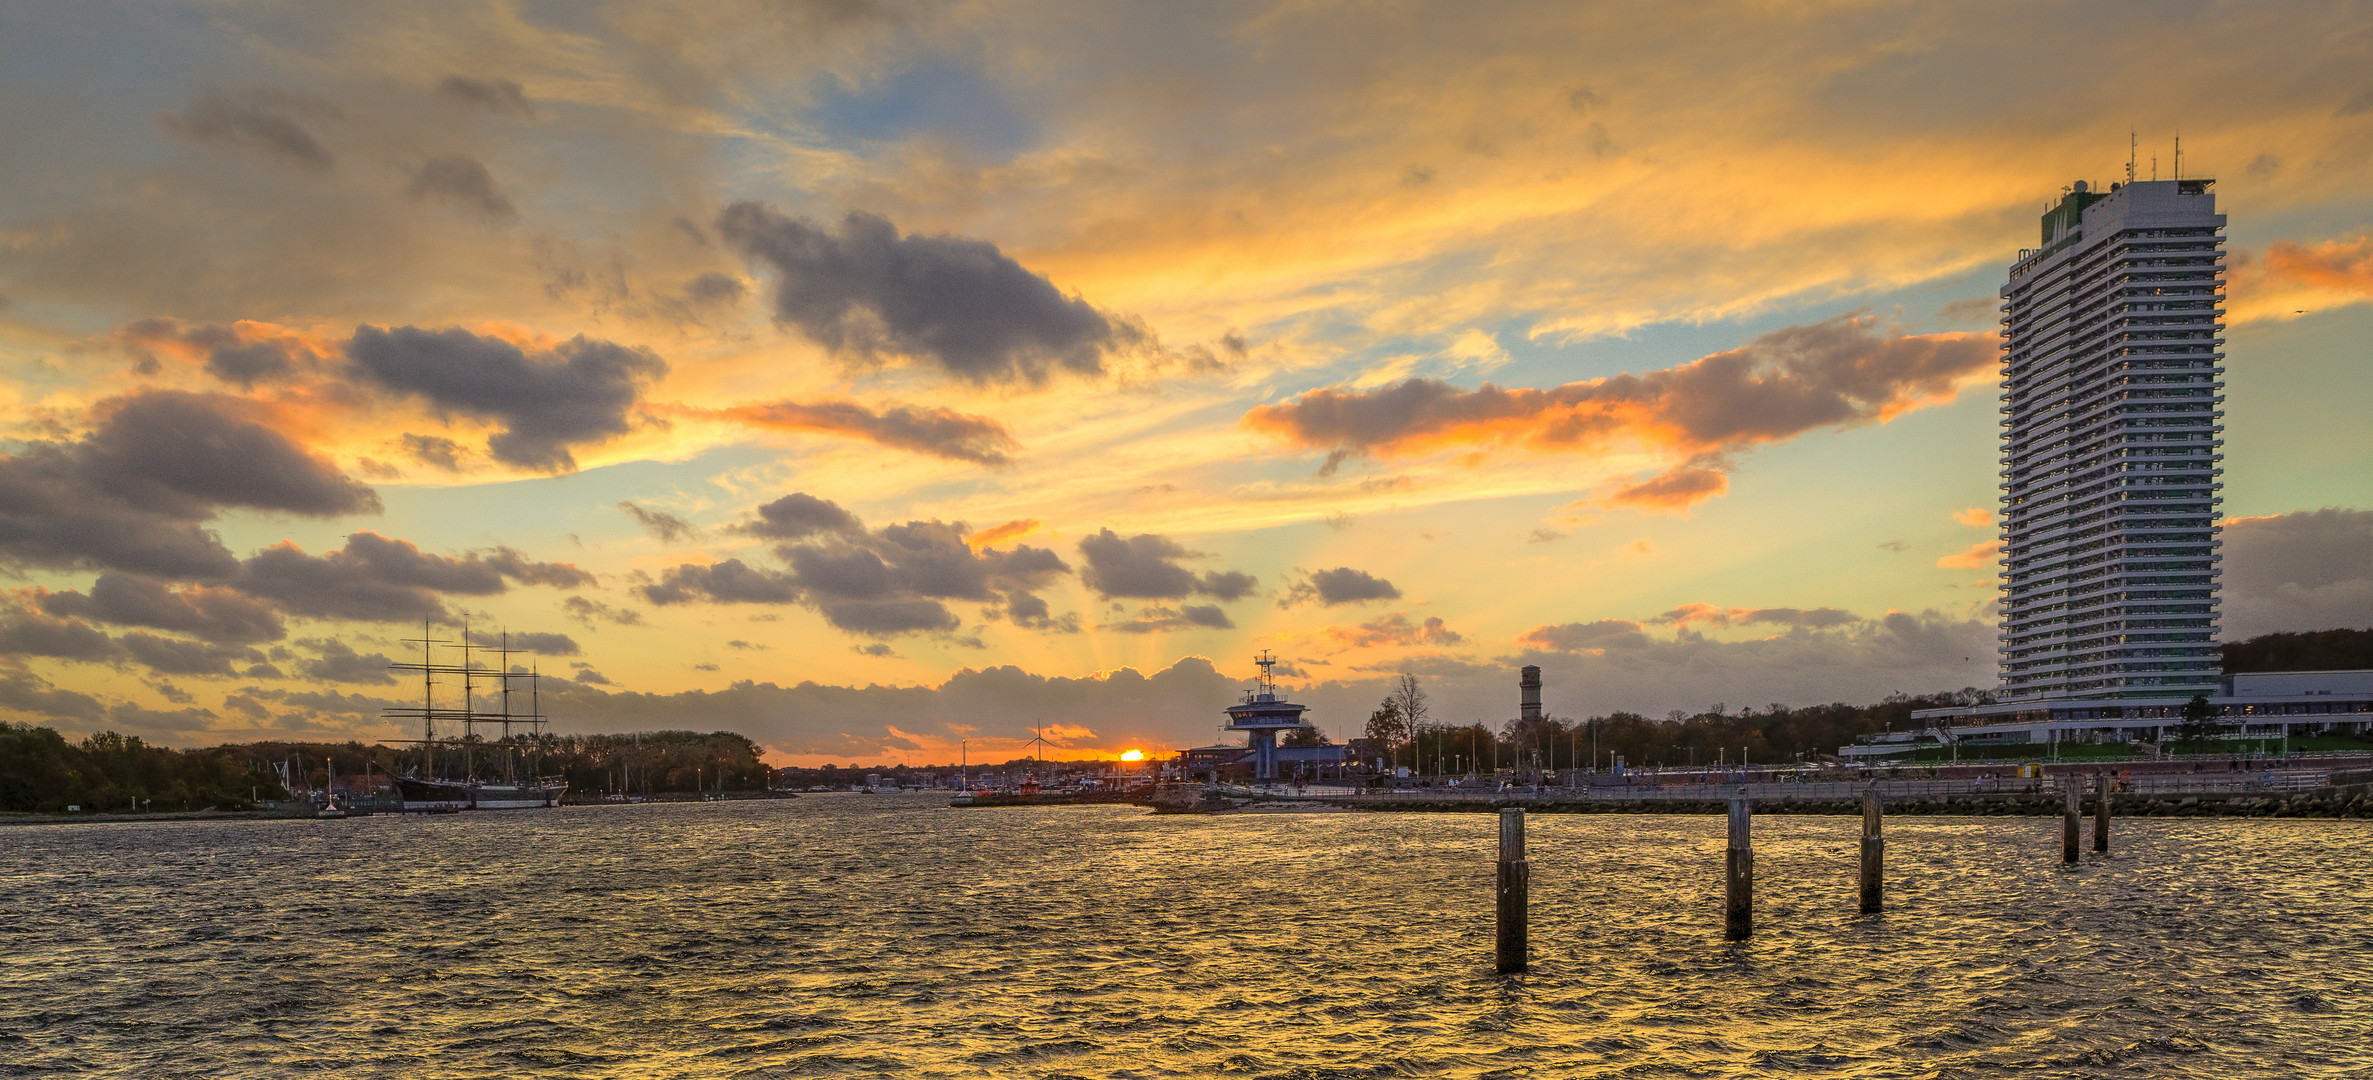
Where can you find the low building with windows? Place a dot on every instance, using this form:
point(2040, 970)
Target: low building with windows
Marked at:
point(2258, 705)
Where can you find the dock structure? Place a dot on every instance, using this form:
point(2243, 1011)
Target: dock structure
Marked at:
point(1874, 854)
point(1738, 909)
point(1512, 950)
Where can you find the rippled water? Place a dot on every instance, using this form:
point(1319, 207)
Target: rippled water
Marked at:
point(890, 935)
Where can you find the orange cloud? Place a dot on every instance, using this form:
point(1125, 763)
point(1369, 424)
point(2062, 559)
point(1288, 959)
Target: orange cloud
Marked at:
point(1675, 490)
point(997, 534)
point(1837, 373)
point(1976, 517)
point(1978, 555)
point(1393, 629)
point(2339, 265)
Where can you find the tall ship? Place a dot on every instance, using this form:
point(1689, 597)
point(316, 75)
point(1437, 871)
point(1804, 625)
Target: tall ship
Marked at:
point(481, 752)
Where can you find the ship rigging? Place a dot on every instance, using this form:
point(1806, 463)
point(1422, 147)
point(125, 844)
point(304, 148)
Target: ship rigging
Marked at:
point(468, 770)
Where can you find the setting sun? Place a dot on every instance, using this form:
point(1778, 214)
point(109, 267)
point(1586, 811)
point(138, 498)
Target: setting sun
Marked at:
point(1134, 755)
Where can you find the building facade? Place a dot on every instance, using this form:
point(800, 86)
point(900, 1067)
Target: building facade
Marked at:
point(2112, 382)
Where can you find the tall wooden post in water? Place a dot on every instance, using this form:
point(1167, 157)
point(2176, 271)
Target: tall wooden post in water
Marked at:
point(2101, 813)
point(2070, 787)
point(1739, 911)
point(1874, 852)
point(1515, 885)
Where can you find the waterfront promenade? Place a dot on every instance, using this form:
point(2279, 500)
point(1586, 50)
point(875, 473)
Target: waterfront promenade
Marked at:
point(2317, 786)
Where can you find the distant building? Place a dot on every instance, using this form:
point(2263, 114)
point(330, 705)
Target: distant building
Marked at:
point(2113, 353)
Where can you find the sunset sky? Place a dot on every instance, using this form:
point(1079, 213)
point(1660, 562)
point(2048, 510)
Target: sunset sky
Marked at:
point(864, 376)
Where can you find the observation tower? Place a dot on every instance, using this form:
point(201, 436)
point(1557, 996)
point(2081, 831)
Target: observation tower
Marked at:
point(1262, 714)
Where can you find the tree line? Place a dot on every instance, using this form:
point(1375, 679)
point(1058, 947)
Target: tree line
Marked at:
point(1405, 732)
point(43, 771)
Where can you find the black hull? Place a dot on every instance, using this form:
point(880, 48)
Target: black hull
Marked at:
point(438, 795)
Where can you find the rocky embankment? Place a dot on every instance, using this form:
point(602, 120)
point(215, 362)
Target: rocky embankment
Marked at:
point(2342, 802)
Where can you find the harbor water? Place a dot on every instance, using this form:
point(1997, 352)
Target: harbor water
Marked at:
point(856, 935)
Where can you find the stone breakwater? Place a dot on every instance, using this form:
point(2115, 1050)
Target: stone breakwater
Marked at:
point(2355, 801)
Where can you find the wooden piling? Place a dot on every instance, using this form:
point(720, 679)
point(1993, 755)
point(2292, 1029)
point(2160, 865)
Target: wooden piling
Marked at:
point(2070, 789)
point(1514, 889)
point(1874, 853)
point(2101, 813)
point(1739, 912)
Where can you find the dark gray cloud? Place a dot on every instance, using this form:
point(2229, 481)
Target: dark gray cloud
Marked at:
point(493, 95)
point(1341, 585)
point(1829, 374)
point(729, 582)
point(666, 526)
point(940, 432)
point(1156, 619)
point(576, 394)
point(435, 451)
point(2309, 570)
point(27, 633)
point(959, 305)
point(1617, 664)
point(511, 563)
point(179, 656)
point(1710, 615)
point(215, 118)
point(336, 661)
point(800, 515)
point(462, 181)
point(591, 611)
point(541, 643)
point(135, 492)
point(196, 451)
point(220, 615)
point(1170, 706)
point(883, 582)
point(25, 692)
point(377, 579)
point(715, 288)
point(1394, 629)
point(1576, 637)
point(1146, 567)
point(239, 354)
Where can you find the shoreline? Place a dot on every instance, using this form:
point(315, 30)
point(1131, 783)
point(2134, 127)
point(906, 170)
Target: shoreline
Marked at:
point(2351, 802)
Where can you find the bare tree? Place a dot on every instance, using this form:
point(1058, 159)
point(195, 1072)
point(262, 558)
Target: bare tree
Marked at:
point(1408, 699)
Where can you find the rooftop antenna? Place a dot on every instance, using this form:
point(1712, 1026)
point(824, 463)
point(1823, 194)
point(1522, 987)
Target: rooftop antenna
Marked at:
point(2179, 157)
point(2133, 143)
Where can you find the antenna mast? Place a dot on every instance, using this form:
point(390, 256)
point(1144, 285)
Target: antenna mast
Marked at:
point(2133, 145)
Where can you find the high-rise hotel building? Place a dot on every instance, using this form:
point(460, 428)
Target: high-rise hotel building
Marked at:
point(2112, 378)
point(2112, 382)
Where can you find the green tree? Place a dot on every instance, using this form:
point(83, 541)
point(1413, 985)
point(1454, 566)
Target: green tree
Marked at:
point(1384, 728)
point(2199, 722)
